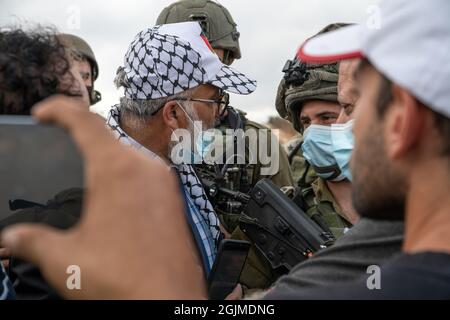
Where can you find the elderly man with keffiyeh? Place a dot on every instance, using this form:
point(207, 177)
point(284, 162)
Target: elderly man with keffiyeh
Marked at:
point(173, 80)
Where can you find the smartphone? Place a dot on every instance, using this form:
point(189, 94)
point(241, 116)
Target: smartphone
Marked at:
point(37, 161)
point(227, 268)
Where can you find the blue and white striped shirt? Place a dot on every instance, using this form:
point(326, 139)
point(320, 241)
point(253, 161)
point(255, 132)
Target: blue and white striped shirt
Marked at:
point(6, 290)
point(202, 234)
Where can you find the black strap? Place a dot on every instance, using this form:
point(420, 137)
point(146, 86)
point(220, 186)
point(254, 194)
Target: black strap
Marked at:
point(317, 218)
point(294, 151)
point(302, 182)
point(235, 119)
point(333, 168)
point(22, 204)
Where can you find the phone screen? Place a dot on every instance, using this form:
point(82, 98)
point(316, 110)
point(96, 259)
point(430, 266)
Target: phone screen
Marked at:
point(227, 268)
point(36, 162)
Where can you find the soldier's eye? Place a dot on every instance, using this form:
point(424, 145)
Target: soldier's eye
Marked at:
point(328, 119)
point(305, 121)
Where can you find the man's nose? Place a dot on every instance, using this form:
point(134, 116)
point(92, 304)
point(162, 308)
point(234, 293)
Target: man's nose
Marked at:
point(216, 112)
point(343, 117)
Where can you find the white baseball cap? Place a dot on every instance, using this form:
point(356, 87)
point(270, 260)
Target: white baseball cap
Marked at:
point(409, 44)
point(171, 58)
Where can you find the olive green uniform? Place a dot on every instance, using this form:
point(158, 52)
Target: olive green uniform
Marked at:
point(302, 173)
point(257, 272)
point(283, 178)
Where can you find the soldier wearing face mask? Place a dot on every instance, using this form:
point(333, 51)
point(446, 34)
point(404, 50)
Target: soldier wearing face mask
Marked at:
point(308, 97)
point(371, 241)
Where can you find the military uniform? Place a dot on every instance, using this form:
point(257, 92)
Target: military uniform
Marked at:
point(302, 173)
point(221, 31)
point(253, 172)
point(257, 272)
point(321, 201)
point(283, 177)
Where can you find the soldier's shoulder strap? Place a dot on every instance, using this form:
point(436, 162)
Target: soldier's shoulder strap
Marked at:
point(293, 151)
point(256, 125)
point(235, 119)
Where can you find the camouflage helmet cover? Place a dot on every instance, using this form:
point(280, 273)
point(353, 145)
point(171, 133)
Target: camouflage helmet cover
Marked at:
point(82, 48)
point(216, 21)
point(305, 82)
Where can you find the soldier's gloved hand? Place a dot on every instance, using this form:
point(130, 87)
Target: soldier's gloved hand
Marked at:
point(132, 240)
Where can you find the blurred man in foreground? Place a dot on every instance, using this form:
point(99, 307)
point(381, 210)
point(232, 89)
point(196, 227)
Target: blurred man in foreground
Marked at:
point(404, 171)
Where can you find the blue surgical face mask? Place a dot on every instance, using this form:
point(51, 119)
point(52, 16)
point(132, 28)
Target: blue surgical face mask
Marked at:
point(204, 139)
point(343, 142)
point(203, 144)
point(318, 149)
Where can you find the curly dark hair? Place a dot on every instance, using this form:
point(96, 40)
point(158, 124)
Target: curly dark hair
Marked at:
point(33, 65)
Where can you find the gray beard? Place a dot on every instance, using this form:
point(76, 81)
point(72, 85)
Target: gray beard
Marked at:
point(191, 128)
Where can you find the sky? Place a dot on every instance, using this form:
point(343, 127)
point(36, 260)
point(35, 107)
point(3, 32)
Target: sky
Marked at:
point(271, 32)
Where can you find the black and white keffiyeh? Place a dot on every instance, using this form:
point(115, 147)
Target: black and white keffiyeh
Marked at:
point(172, 58)
point(203, 219)
point(195, 189)
point(6, 288)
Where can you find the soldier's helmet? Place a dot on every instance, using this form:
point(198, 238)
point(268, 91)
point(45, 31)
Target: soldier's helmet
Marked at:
point(81, 48)
point(216, 21)
point(305, 82)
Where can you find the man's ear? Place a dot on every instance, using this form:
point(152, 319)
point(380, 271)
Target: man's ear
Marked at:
point(404, 121)
point(171, 115)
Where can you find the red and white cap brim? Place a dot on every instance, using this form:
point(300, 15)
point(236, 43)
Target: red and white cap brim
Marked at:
point(341, 44)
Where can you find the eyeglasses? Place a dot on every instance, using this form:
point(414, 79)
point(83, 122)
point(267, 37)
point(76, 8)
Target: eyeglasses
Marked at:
point(222, 102)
